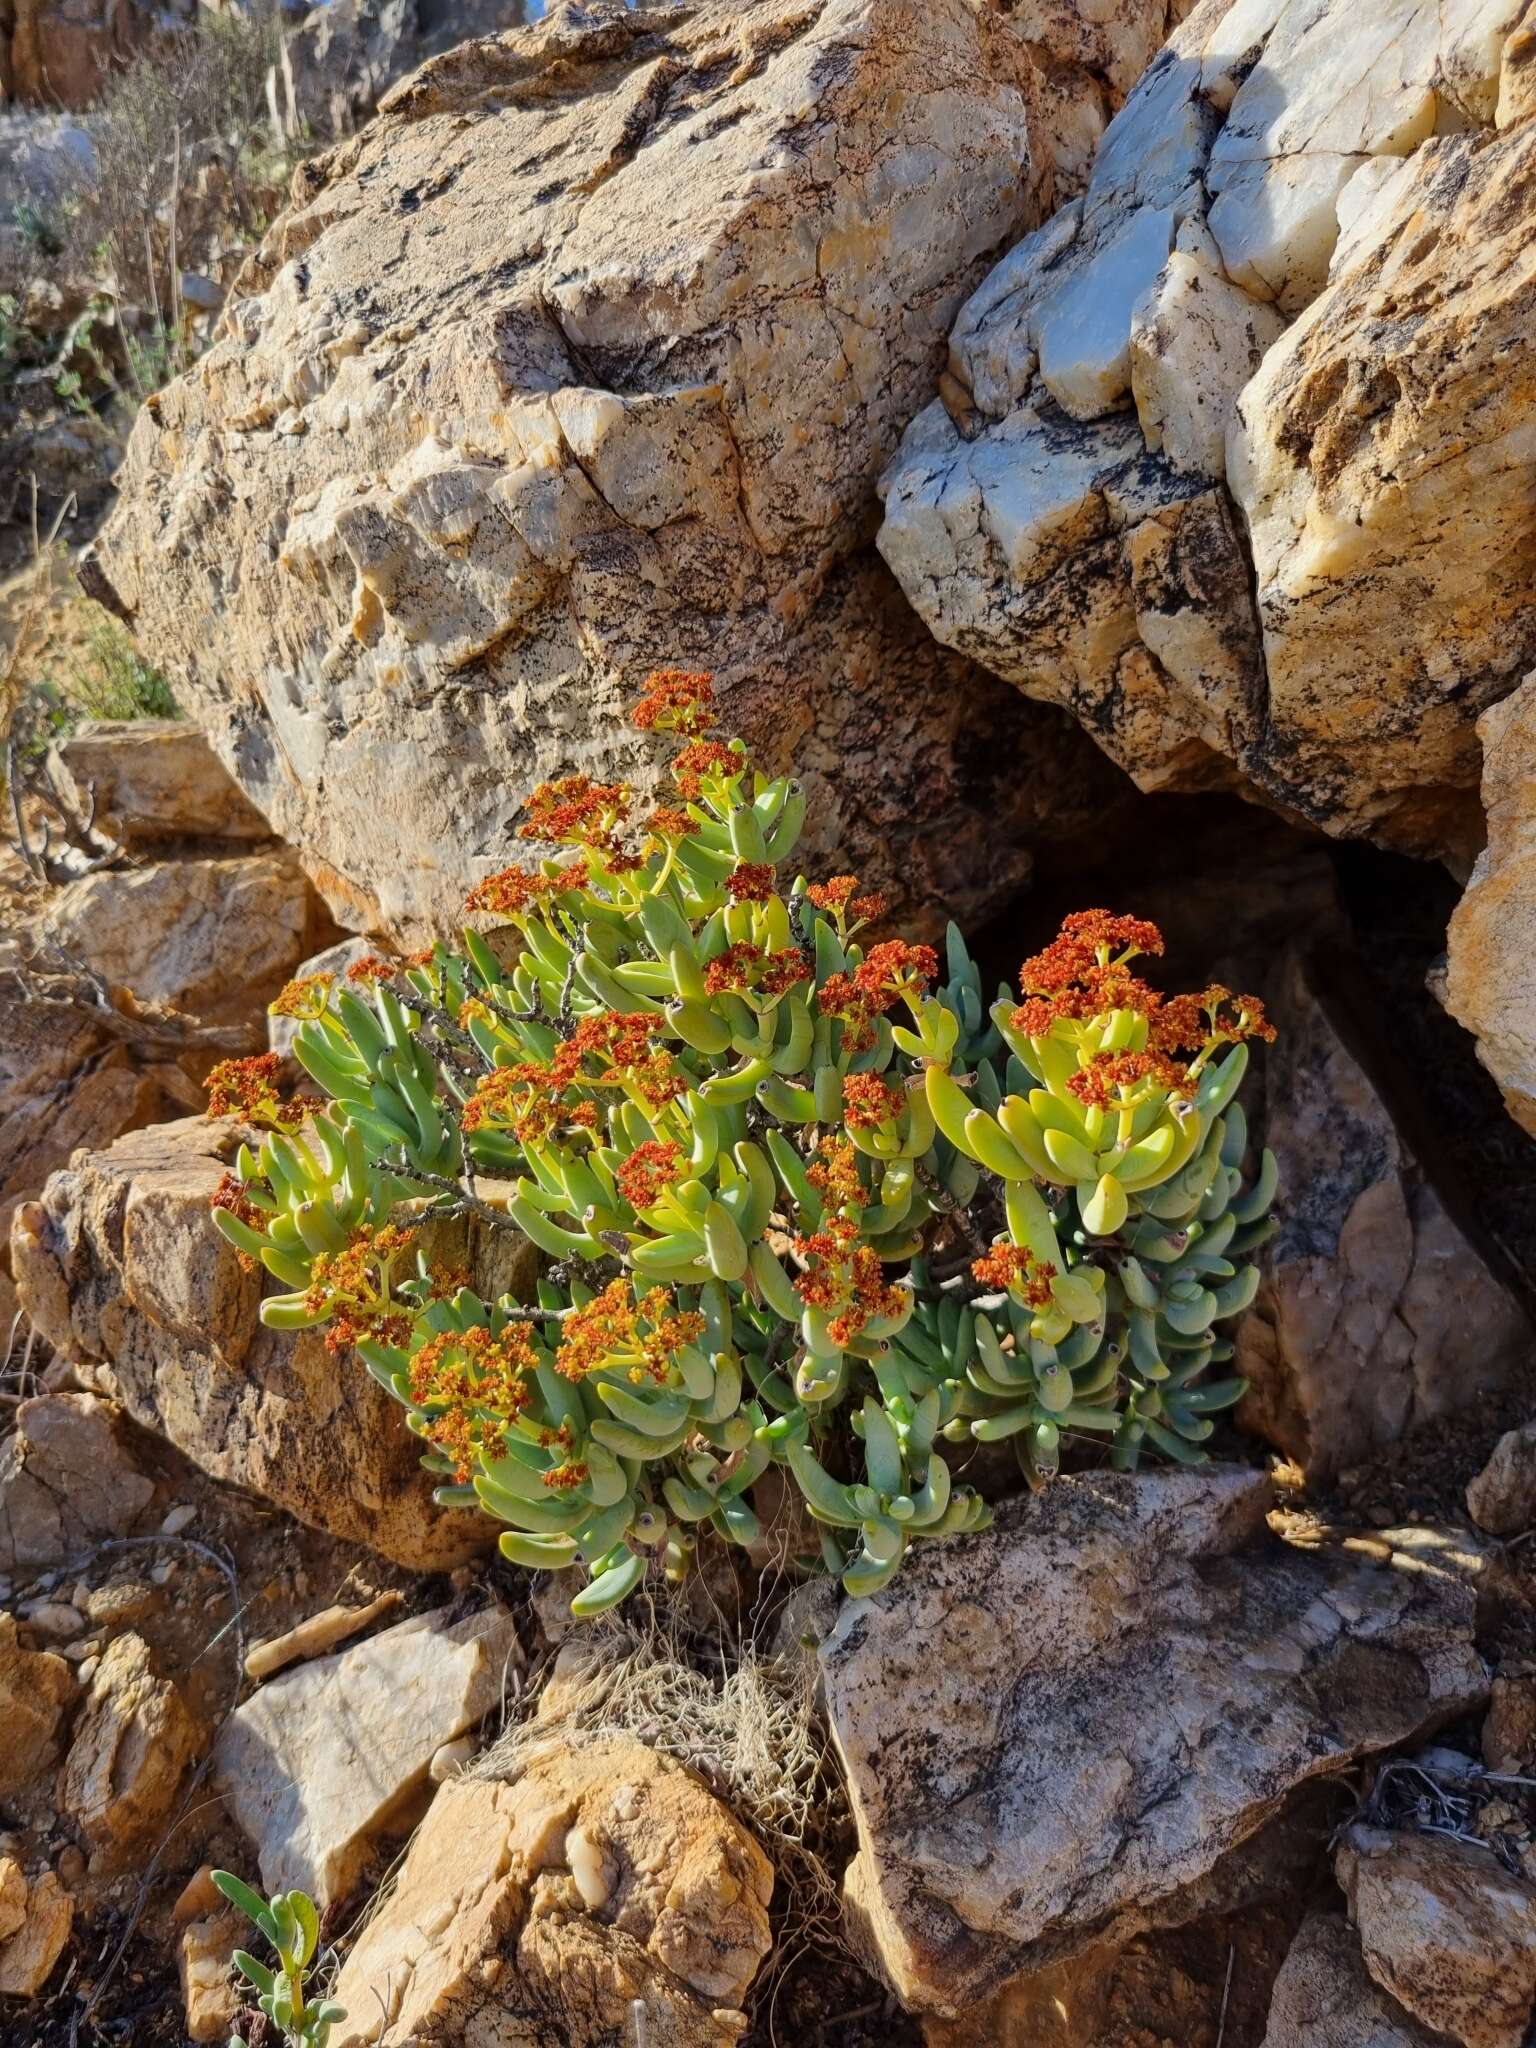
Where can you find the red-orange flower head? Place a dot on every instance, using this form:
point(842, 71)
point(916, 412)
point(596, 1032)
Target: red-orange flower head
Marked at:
point(835, 1176)
point(471, 1386)
point(514, 891)
point(616, 1332)
point(371, 968)
point(1083, 974)
point(1013, 1269)
point(676, 700)
point(750, 882)
point(845, 1278)
point(704, 757)
point(838, 898)
point(246, 1088)
point(304, 999)
point(648, 1172)
point(742, 967)
point(576, 811)
point(869, 1102)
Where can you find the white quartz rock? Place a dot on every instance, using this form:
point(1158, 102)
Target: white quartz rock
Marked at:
point(1195, 341)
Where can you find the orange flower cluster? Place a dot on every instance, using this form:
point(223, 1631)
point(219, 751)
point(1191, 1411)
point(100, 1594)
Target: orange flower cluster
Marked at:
point(648, 1171)
point(743, 966)
point(472, 1385)
point(355, 1285)
point(751, 882)
point(231, 1194)
point(888, 972)
point(371, 968)
point(835, 1175)
point(1011, 1267)
point(1096, 1083)
point(527, 1098)
point(514, 891)
point(571, 1471)
point(704, 757)
point(837, 897)
point(1213, 1017)
point(640, 1338)
point(575, 810)
point(305, 999)
point(248, 1088)
point(844, 1277)
point(668, 822)
point(676, 700)
point(869, 1102)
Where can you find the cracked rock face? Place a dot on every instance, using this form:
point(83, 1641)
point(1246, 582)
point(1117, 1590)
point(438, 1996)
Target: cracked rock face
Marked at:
point(536, 1914)
point(67, 1479)
point(1054, 1729)
point(134, 1740)
point(119, 1267)
point(582, 359)
point(1378, 1311)
point(1231, 456)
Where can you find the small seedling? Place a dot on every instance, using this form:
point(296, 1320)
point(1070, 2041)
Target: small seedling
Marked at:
point(291, 1924)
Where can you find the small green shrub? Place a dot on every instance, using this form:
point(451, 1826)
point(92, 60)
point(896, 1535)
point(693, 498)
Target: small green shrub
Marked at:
point(810, 1200)
point(291, 1924)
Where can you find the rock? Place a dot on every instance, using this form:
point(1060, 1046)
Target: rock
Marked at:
point(67, 1479)
point(153, 779)
point(216, 937)
point(204, 1953)
point(13, 1897)
point(54, 1620)
point(1140, 1641)
point(1490, 975)
point(324, 1760)
point(1377, 1311)
point(334, 960)
point(604, 1879)
point(119, 1267)
point(56, 53)
point(28, 1957)
point(314, 1636)
point(424, 516)
point(1501, 1499)
point(1446, 1931)
point(133, 1742)
point(1278, 278)
point(35, 1687)
point(90, 1104)
point(1324, 1997)
point(1509, 1733)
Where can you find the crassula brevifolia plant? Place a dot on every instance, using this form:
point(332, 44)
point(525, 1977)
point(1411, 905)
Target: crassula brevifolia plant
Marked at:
point(808, 1200)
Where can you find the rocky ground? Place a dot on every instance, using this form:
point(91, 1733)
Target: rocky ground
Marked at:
point(1096, 452)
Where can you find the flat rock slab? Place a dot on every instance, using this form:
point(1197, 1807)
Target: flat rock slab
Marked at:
point(155, 779)
point(1051, 1728)
point(320, 1763)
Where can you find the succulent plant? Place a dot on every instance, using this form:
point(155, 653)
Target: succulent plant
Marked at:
point(292, 1926)
point(807, 1201)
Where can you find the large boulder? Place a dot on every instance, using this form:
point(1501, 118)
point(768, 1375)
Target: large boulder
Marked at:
point(582, 359)
point(1061, 1731)
point(1230, 455)
point(119, 1267)
point(604, 1879)
point(152, 779)
point(1490, 983)
point(67, 1480)
point(1378, 1310)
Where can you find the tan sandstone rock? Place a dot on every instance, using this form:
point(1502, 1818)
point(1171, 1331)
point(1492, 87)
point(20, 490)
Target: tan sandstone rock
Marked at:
point(1446, 1930)
point(119, 1266)
point(1063, 514)
point(132, 1744)
point(154, 779)
point(419, 523)
point(1324, 1997)
point(66, 1479)
point(35, 1687)
point(215, 937)
point(204, 1954)
point(322, 1762)
point(1377, 1311)
point(1491, 945)
point(1509, 1733)
point(1501, 1498)
point(604, 1879)
point(96, 1102)
point(28, 1956)
point(1055, 1732)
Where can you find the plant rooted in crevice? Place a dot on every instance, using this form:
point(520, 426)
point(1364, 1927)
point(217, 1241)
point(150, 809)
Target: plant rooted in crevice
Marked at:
point(810, 1201)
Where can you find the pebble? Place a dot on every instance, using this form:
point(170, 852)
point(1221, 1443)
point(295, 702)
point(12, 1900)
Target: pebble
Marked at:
point(83, 1653)
point(88, 1667)
point(55, 1619)
point(450, 1759)
point(81, 1596)
point(71, 1865)
point(162, 1573)
point(178, 1519)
